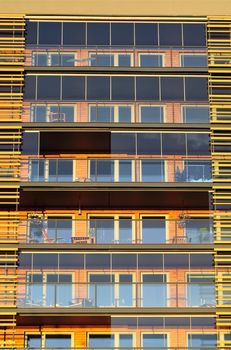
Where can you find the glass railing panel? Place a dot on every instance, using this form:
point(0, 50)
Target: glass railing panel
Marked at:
point(108, 230)
point(201, 295)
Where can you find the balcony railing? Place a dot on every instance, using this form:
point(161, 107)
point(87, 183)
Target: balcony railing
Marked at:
point(115, 56)
point(106, 230)
point(114, 295)
point(115, 170)
point(114, 113)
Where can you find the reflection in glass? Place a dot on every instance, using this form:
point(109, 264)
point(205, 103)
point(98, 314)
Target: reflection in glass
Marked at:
point(199, 230)
point(200, 291)
point(153, 170)
point(202, 341)
point(151, 114)
point(154, 341)
point(153, 230)
point(188, 60)
point(195, 114)
point(102, 170)
point(151, 60)
point(154, 290)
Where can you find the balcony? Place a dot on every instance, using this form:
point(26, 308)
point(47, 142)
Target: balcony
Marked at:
point(140, 114)
point(113, 295)
point(99, 230)
point(116, 170)
point(121, 57)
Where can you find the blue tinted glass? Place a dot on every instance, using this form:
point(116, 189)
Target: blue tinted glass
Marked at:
point(50, 33)
point(104, 114)
point(98, 88)
point(102, 60)
point(102, 170)
point(154, 341)
point(194, 35)
point(170, 34)
point(98, 34)
point(58, 341)
point(202, 340)
point(48, 87)
point(73, 88)
point(152, 171)
point(123, 88)
point(146, 34)
point(149, 60)
point(34, 341)
point(101, 341)
point(30, 86)
point(122, 34)
point(194, 61)
point(124, 114)
point(147, 89)
point(40, 59)
point(125, 230)
point(74, 33)
point(102, 230)
point(196, 89)
point(151, 114)
point(31, 32)
point(195, 114)
point(153, 230)
point(125, 170)
point(124, 60)
point(39, 114)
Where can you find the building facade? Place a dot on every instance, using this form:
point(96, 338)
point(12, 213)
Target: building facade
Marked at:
point(115, 168)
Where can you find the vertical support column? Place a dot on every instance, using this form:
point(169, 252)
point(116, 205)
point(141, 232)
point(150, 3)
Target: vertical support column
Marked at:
point(12, 44)
point(219, 59)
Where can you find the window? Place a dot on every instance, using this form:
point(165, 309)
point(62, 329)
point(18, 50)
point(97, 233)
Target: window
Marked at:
point(147, 89)
point(53, 59)
point(48, 290)
point(108, 341)
point(111, 290)
point(122, 34)
point(195, 114)
point(151, 60)
point(98, 33)
point(196, 171)
point(51, 229)
point(98, 88)
point(198, 144)
point(152, 170)
point(52, 113)
point(74, 33)
point(52, 341)
point(170, 34)
point(202, 341)
point(146, 34)
point(194, 35)
point(153, 230)
point(200, 290)
point(199, 230)
point(73, 88)
point(148, 143)
point(122, 88)
point(154, 341)
point(172, 88)
point(194, 60)
point(57, 170)
point(48, 87)
point(111, 113)
point(111, 59)
point(50, 33)
point(116, 229)
point(196, 89)
point(111, 170)
point(151, 114)
point(173, 143)
point(31, 32)
point(154, 290)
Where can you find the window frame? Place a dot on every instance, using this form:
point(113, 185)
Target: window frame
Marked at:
point(182, 55)
point(115, 110)
point(167, 334)
point(115, 56)
point(49, 54)
point(162, 107)
point(164, 274)
point(162, 55)
point(48, 106)
point(43, 334)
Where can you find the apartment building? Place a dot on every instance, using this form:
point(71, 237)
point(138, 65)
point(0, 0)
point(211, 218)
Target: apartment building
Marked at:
point(115, 179)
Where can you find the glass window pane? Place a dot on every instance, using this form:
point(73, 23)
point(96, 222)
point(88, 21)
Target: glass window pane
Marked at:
point(149, 60)
point(31, 32)
point(73, 88)
point(198, 144)
point(67, 114)
point(124, 114)
point(39, 114)
point(122, 34)
point(148, 143)
point(154, 341)
point(74, 33)
point(30, 87)
point(151, 114)
point(124, 143)
point(125, 170)
point(103, 114)
point(102, 60)
point(202, 340)
point(194, 35)
point(123, 88)
point(57, 341)
point(65, 170)
point(196, 89)
point(199, 230)
point(125, 230)
point(152, 170)
point(98, 34)
point(170, 34)
point(102, 230)
point(147, 88)
point(48, 88)
point(172, 89)
point(98, 88)
point(195, 114)
point(40, 59)
point(197, 171)
point(50, 33)
point(124, 60)
point(102, 170)
point(194, 61)
point(67, 60)
point(146, 34)
point(34, 341)
point(173, 144)
point(102, 341)
point(153, 230)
